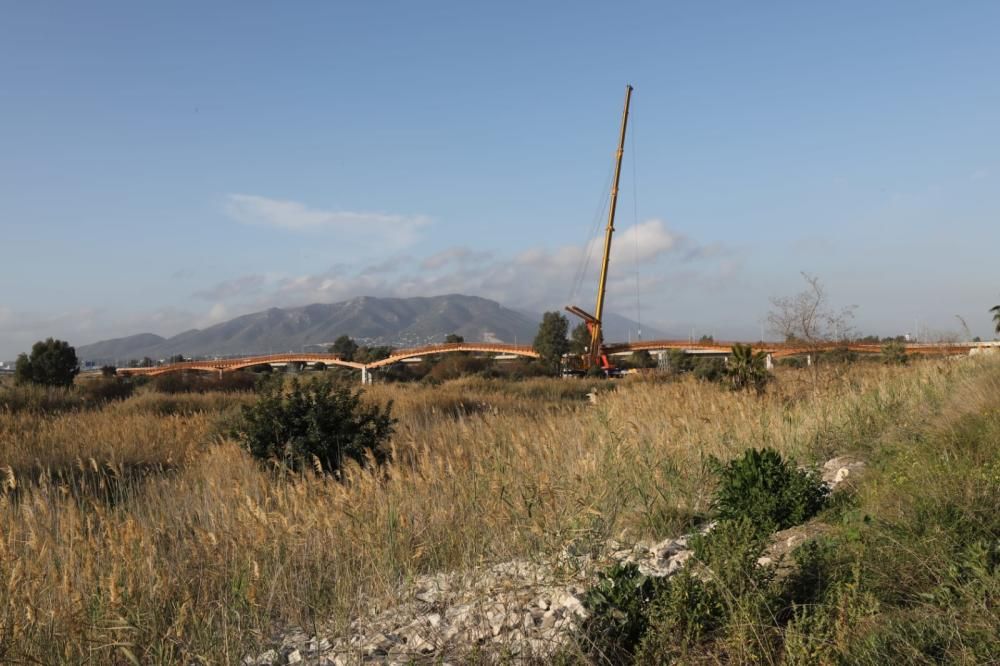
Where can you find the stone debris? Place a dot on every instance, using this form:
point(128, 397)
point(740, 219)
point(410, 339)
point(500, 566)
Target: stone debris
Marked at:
point(842, 469)
point(512, 611)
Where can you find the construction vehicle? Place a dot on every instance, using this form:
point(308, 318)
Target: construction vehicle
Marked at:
point(594, 356)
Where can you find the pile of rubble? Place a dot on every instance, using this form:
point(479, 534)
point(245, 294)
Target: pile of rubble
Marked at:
point(516, 610)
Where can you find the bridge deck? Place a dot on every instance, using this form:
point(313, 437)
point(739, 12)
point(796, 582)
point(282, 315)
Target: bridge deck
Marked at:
point(775, 349)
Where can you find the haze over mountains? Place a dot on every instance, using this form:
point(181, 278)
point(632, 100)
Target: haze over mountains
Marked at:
point(399, 322)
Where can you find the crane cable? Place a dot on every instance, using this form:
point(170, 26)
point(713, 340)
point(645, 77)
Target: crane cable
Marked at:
point(635, 230)
point(589, 245)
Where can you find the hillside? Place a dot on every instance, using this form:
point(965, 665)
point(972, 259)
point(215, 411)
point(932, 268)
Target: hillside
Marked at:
point(377, 321)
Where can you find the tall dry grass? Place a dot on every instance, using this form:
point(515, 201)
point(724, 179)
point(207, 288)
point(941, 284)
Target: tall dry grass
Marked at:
point(205, 560)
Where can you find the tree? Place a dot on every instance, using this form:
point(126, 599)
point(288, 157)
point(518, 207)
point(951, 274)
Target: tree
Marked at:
point(807, 317)
point(371, 354)
point(344, 347)
point(808, 320)
point(580, 339)
point(454, 338)
point(894, 353)
point(52, 363)
point(996, 317)
point(747, 369)
point(642, 359)
point(108, 371)
point(551, 342)
point(320, 425)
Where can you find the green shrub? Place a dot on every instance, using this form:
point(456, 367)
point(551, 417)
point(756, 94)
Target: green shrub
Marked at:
point(107, 389)
point(723, 596)
point(768, 490)
point(792, 362)
point(40, 399)
point(320, 423)
point(619, 605)
point(194, 382)
point(51, 363)
point(709, 369)
point(681, 619)
point(747, 370)
point(894, 353)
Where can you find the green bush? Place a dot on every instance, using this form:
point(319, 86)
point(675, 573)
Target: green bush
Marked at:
point(40, 399)
point(792, 362)
point(107, 389)
point(747, 369)
point(51, 363)
point(718, 599)
point(894, 353)
point(320, 423)
point(194, 382)
point(709, 369)
point(768, 490)
point(619, 605)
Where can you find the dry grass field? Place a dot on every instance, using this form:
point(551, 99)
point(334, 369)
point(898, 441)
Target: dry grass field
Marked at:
point(140, 532)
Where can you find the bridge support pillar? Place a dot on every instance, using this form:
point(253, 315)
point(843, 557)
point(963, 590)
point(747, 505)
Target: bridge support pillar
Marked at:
point(365, 377)
point(769, 362)
point(809, 359)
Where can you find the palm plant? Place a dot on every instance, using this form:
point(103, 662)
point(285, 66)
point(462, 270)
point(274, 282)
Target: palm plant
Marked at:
point(996, 316)
point(747, 369)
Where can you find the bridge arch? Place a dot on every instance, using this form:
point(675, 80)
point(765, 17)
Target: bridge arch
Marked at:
point(451, 347)
point(234, 364)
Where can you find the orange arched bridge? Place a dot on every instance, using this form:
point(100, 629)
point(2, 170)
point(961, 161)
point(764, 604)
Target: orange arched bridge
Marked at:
point(783, 349)
point(775, 350)
point(397, 356)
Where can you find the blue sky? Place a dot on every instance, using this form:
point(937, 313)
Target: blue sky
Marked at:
point(169, 166)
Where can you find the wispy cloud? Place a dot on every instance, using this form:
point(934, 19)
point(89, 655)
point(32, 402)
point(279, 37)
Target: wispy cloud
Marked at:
point(237, 287)
point(534, 278)
point(295, 216)
point(541, 278)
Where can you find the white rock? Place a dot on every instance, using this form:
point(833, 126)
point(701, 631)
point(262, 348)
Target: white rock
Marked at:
point(268, 658)
point(294, 657)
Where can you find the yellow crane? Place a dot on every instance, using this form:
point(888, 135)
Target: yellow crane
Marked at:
point(594, 356)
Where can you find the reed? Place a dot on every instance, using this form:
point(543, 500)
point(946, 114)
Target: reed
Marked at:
point(204, 551)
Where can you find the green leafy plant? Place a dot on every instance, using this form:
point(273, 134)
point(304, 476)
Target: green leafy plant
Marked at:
point(747, 370)
point(721, 592)
point(768, 490)
point(107, 389)
point(709, 369)
point(51, 362)
point(619, 606)
point(318, 424)
point(894, 353)
point(551, 342)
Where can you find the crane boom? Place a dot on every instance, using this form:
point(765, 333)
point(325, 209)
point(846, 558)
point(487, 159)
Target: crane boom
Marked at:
point(594, 357)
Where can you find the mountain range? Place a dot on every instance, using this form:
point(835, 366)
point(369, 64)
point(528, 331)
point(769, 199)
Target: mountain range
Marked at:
point(398, 322)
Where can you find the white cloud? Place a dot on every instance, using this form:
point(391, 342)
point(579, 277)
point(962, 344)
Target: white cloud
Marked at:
point(294, 216)
point(231, 288)
point(457, 255)
point(536, 278)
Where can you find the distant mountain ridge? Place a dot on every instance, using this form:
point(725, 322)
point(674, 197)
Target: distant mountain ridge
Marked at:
point(398, 322)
